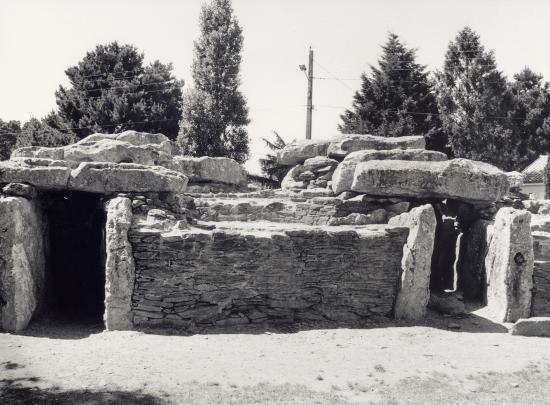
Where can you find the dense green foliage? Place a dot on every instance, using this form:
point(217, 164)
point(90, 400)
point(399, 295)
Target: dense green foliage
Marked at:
point(474, 98)
point(38, 133)
point(215, 114)
point(396, 99)
point(112, 91)
point(9, 131)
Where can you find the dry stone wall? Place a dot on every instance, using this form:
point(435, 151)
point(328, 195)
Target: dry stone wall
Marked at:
point(200, 278)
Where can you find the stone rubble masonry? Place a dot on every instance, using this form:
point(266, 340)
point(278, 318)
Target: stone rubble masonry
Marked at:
point(414, 292)
point(22, 261)
point(241, 273)
point(540, 227)
point(119, 265)
point(509, 266)
point(459, 179)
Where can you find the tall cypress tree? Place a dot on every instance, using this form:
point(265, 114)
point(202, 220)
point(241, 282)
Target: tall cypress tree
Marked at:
point(396, 99)
point(215, 114)
point(474, 101)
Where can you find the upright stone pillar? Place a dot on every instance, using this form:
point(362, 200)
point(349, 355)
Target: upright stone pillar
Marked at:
point(509, 266)
point(414, 293)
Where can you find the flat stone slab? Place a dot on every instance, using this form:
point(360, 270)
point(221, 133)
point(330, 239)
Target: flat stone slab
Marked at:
point(97, 177)
point(342, 178)
point(345, 145)
point(538, 326)
point(459, 179)
point(340, 146)
point(202, 169)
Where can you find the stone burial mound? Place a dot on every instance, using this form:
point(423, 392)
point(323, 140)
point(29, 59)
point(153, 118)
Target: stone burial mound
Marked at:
point(122, 229)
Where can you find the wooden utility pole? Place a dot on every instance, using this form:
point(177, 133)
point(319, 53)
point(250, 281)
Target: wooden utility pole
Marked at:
point(309, 94)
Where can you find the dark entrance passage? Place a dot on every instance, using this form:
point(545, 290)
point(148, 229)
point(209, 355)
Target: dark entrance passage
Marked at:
point(75, 269)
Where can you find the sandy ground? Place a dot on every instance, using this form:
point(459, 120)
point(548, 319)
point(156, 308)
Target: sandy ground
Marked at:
point(388, 364)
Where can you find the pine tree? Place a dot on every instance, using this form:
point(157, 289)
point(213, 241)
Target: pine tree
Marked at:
point(215, 114)
point(38, 133)
point(474, 100)
point(269, 165)
point(531, 117)
point(9, 131)
point(396, 99)
point(112, 91)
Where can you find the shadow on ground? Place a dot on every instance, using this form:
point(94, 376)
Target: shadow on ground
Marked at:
point(18, 392)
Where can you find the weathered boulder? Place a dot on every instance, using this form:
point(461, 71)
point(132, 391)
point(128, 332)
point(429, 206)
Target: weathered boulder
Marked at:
point(126, 147)
point(41, 173)
point(449, 303)
point(537, 326)
point(298, 152)
point(20, 190)
point(125, 177)
point(319, 162)
point(119, 266)
point(470, 266)
point(209, 169)
point(414, 293)
point(342, 178)
point(515, 179)
point(459, 179)
point(290, 181)
point(509, 266)
point(344, 145)
point(22, 261)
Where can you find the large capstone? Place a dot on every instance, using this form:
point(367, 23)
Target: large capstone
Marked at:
point(342, 178)
point(414, 293)
point(107, 178)
point(347, 144)
point(459, 179)
point(210, 169)
point(22, 261)
point(509, 266)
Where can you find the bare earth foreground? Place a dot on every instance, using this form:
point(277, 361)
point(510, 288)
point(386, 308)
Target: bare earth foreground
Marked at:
point(388, 363)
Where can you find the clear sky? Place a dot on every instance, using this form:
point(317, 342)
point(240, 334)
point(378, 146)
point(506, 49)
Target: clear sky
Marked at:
point(39, 39)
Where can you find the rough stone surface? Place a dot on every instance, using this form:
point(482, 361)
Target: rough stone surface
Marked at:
point(451, 303)
point(537, 326)
point(22, 261)
point(509, 266)
point(541, 271)
point(119, 265)
point(414, 293)
point(208, 169)
point(20, 190)
point(290, 181)
point(256, 273)
point(342, 178)
point(319, 162)
point(298, 152)
point(42, 173)
point(470, 267)
point(112, 177)
point(347, 144)
point(459, 179)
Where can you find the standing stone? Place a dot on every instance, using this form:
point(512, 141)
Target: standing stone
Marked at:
point(119, 265)
point(22, 261)
point(509, 266)
point(470, 266)
point(414, 294)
